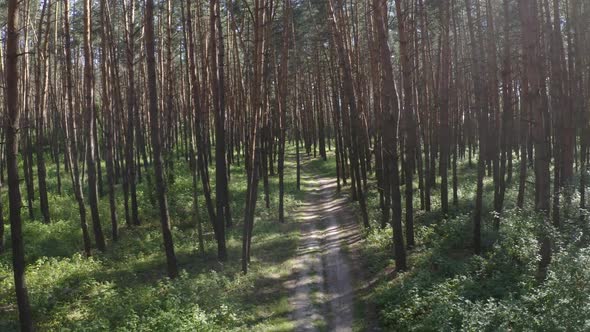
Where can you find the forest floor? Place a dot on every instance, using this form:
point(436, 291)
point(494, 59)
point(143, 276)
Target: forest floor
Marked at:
point(322, 285)
point(305, 273)
point(321, 270)
point(126, 289)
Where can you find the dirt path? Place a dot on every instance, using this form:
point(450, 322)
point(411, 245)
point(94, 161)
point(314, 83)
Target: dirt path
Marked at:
point(322, 286)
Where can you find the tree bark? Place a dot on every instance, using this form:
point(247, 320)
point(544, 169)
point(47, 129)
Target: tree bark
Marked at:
point(41, 83)
point(71, 134)
point(217, 86)
point(157, 140)
point(130, 174)
point(283, 94)
point(533, 95)
point(11, 127)
point(108, 121)
point(390, 110)
point(91, 128)
point(444, 107)
point(410, 125)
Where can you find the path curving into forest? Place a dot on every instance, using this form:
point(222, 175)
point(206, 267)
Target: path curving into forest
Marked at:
point(322, 283)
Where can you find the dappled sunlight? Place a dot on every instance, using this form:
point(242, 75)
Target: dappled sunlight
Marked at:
point(322, 287)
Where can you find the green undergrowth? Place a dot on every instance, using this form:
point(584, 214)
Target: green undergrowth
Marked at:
point(126, 288)
point(447, 288)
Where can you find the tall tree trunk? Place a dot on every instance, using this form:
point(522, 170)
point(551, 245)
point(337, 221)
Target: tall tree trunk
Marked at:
point(222, 103)
point(283, 93)
point(254, 153)
point(130, 174)
point(481, 109)
point(533, 95)
point(507, 130)
point(198, 123)
point(217, 86)
point(157, 139)
point(444, 107)
point(11, 126)
point(579, 101)
point(408, 111)
point(91, 128)
point(344, 60)
point(391, 111)
point(108, 121)
point(41, 83)
point(71, 133)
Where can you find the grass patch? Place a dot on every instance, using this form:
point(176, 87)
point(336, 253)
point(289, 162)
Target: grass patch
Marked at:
point(448, 288)
point(126, 289)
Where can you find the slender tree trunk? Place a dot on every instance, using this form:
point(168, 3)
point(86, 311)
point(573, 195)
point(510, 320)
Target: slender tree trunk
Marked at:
point(533, 95)
point(11, 127)
point(283, 93)
point(444, 107)
point(41, 82)
point(481, 110)
point(91, 128)
point(391, 110)
point(108, 119)
point(71, 134)
point(408, 111)
point(217, 83)
point(505, 140)
point(198, 123)
point(260, 18)
point(157, 140)
point(579, 101)
point(351, 100)
point(222, 102)
point(131, 122)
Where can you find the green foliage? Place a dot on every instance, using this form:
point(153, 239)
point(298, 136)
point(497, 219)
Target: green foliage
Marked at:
point(125, 288)
point(164, 306)
point(449, 289)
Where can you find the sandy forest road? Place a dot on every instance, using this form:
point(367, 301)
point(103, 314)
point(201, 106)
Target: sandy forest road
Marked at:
point(322, 287)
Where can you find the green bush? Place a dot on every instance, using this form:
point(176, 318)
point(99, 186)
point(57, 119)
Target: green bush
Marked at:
point(449, 289)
